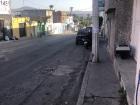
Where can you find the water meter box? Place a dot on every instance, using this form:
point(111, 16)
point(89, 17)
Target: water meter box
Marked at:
point(123, 51)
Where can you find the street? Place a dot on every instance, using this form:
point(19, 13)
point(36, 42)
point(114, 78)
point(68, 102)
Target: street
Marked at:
point(42, 71)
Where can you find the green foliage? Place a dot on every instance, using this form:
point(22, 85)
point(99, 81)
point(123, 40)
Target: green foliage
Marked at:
point(83, 21)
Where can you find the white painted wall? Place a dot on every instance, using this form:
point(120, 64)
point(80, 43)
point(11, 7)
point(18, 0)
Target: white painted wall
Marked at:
point(59, 28)
point(135, 40)
point(135, 28)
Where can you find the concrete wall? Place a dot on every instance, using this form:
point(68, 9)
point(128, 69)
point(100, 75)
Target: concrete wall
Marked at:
point(127, 28)
point(135, 40)
point(110, 25)
point(6, 25)
point(110, 4)
point(59, 28)
point(7, 19)
point(124, 10)
point(30, 26)
point(121, 32)
point(33, 13)
point(111, 33)
point(60, 16)
point(39, 15)
point(49, 14)
point(135, 29)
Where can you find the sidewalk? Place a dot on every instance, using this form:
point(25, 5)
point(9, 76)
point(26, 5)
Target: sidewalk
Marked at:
point(100, 85)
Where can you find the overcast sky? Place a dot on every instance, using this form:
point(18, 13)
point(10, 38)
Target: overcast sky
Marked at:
point(85, 5)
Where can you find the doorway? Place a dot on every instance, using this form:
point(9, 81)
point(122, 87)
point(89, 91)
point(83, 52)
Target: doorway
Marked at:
point(22, 29)
point(1, 29)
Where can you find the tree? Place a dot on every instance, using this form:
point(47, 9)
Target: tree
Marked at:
point(89, 19)
point(71, 10)
point(51, 7)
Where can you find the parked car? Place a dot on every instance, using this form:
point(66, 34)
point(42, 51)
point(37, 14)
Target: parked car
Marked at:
point(88, 37)
point(81, 34)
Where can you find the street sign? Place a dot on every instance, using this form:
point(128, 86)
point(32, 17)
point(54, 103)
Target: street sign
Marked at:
point(5, 7)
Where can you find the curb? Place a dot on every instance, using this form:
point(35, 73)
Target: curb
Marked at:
point(83, 87)
point(122, 83)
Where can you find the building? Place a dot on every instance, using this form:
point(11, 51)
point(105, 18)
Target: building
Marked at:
point(5, 26)
point(122, 28)
point(62, 22)
point(119, 23)
point(24, 27)
point(135, 43)
point(60, 16)
point(43, 16)
point(5, 19)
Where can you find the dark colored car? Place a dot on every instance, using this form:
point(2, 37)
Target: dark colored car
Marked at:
point(81, 34)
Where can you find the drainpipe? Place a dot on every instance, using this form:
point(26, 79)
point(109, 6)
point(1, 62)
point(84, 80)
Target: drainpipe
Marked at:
point(95, 30)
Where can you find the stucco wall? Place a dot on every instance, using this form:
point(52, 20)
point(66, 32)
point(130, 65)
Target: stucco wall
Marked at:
point(135, 43)
point(123, 18)
point(121, 29)
point(110, 4)
point(124, 10)
point(7, 19)
point(111, 43)
point(135, 40)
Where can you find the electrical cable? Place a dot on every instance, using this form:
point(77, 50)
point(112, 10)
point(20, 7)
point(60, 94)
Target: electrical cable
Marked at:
point(137, 90)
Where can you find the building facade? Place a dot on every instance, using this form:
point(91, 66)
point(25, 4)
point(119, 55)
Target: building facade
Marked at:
point(135, 43)
point(43, 16)
point(5, 26)
point(123, 28)
point(62, 22)
point(118, 23)
point(24, 27)
point(5, 19)
point(60, 16)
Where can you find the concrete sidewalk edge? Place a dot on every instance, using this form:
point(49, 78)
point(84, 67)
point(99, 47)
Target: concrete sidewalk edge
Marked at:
point(84, 86)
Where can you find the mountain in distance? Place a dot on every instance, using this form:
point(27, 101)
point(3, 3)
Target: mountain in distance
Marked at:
point(23, 8)
point(82, 13)
point(15, 10)
point(78, 13)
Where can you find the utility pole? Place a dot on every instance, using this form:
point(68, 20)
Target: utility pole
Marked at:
point(95, 30)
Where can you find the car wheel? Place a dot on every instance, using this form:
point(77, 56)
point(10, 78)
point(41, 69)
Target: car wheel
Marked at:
point(77, 43)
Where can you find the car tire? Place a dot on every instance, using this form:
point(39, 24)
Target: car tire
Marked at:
point(77, 43)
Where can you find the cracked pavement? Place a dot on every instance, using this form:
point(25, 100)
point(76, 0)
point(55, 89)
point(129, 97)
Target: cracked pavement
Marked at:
point(43, 71)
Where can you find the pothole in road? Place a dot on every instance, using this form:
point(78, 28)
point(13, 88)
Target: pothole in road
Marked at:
point(44, 70)
point(63, 70)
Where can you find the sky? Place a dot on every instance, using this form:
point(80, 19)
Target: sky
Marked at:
point(84, 5)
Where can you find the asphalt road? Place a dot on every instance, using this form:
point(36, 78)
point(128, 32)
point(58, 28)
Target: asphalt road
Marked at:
point(43, 71)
